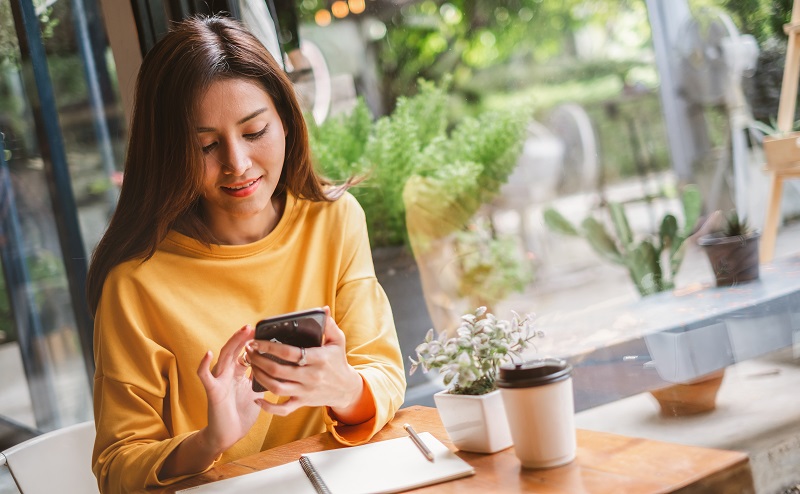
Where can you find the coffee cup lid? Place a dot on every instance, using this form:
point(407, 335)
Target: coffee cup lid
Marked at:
point(533, 373)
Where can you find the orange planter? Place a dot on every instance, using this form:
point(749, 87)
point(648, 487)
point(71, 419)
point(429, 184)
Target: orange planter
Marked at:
point(679, 400)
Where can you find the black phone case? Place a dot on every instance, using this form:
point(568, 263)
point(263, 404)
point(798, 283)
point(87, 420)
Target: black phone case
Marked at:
point(302, 329)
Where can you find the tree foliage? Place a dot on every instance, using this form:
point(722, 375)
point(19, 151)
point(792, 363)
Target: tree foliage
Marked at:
point(432, 38)
point(763, 19)
point(9, 47)
point(436, 37)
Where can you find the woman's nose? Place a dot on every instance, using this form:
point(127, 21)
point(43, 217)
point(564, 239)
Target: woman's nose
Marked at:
point(236, 160)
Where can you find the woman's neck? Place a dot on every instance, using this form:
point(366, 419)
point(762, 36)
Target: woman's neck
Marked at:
point(237, 231)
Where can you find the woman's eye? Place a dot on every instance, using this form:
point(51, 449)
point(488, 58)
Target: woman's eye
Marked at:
point(256, 135)
point(209, 148)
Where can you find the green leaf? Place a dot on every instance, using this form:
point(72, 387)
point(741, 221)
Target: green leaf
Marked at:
point(692, 208)
point(645, 269)
point(601, 240)
point(621, 225)
point(668, 233)
point(556, 222)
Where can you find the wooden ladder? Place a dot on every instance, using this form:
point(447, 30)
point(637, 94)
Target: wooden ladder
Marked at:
point(786, 111)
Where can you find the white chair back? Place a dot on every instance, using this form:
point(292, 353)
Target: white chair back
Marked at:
point(58, 461)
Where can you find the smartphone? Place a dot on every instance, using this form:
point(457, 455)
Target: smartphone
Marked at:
point(303, 329)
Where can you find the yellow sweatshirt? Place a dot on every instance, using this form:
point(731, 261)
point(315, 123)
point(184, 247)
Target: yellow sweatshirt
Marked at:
point(156, 319)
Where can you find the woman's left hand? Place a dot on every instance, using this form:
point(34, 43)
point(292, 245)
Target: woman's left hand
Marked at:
point(326, 379)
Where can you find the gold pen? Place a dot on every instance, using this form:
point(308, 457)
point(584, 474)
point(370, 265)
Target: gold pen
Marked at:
point(418, 442)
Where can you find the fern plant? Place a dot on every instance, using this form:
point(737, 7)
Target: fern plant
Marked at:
point(464, 167)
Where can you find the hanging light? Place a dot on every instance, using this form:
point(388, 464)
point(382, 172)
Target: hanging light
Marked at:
point(322, 17)
point(340, 9)
point(356, 6)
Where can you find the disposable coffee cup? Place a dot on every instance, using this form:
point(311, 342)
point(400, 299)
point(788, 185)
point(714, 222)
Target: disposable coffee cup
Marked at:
point(537, 396)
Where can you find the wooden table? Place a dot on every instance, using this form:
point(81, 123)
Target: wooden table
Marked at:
point(606, 463)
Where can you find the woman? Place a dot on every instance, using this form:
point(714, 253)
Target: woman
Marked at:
point(221, 222)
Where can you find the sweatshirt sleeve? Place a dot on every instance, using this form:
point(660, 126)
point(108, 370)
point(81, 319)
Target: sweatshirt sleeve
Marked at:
point(363, 312)
point(130, 387)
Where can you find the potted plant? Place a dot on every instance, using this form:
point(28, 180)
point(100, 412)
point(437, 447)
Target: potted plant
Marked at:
point(732, 251)
point(653, 261)
point(471, 159)
point(471, 408)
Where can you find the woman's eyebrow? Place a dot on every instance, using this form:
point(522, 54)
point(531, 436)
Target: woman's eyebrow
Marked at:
point(240, 122)
point(252, 115)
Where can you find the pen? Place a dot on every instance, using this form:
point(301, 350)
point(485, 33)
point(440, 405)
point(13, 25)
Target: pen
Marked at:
point(418, 442)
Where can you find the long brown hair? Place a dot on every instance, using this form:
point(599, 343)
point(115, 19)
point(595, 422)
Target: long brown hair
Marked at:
point(164, 163)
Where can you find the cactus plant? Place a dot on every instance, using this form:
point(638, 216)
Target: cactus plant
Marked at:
point(652, 262)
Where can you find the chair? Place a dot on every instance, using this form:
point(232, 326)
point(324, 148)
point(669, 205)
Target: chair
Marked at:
point(57, 461)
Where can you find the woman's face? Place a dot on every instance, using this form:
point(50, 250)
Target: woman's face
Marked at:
point(244, 144)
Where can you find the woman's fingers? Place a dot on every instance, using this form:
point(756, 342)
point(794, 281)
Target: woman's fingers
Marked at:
point(287, 354)
point(280, 409)
point(278, 387)
point(266, 369)
point(230, 352)
point(241, 366)
point(308, 376)
point(204, 370)
point(333, 335)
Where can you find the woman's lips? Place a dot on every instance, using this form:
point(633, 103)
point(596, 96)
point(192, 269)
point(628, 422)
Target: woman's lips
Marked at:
point(242, 189)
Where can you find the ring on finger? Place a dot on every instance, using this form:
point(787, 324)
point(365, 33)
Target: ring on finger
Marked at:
point(243, 360)
point(302, 360)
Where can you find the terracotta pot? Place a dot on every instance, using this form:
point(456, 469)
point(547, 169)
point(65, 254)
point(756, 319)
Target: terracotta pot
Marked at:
point(475, 423)
point(733, 259)
point(698, 396)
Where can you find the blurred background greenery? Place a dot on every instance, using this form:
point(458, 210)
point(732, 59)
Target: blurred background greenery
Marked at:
point(502, 54)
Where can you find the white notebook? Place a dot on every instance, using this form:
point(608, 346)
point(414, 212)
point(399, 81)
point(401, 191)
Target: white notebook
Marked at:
point(394, 465)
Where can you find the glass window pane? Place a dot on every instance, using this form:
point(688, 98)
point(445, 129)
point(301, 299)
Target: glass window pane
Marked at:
point(48, 386)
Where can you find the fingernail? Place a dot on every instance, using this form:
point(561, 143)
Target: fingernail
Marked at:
point(253, 346)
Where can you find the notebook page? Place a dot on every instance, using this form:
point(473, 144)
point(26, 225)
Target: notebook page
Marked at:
point(394, 465)
point(389, 466)
point(288, 478)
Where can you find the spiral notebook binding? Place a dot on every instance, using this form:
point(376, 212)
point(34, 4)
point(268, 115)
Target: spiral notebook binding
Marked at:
point(313, 476)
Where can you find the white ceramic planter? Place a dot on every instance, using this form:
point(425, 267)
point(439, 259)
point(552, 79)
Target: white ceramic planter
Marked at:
point(477, 424)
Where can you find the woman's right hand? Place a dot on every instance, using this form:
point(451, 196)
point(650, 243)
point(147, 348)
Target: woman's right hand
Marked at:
point(232, 410)
point(231, 407)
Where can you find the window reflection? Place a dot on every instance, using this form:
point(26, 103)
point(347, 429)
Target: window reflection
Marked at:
point(42, 362)
point(597, 132)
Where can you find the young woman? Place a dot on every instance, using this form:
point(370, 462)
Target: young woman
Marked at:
point(221, 222)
